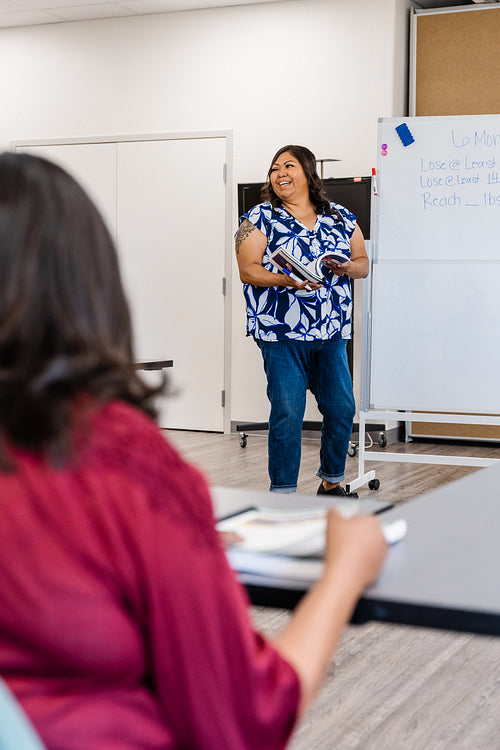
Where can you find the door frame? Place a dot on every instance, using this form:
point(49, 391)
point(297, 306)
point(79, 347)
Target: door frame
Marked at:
point(226, 281)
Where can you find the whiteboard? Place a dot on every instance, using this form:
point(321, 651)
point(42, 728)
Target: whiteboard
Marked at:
point(435, 302)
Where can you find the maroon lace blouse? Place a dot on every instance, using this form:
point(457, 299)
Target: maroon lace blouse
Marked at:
point(121, 625)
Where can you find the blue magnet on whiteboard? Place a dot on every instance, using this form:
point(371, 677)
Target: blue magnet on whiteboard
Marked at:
point(404, 133)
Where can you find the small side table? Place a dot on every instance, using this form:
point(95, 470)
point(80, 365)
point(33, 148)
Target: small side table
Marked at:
point(156, 364)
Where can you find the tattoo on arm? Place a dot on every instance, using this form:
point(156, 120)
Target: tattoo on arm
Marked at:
point(246, 228)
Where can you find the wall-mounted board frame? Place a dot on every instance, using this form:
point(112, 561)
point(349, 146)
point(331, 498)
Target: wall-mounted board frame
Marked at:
point(455, 69)
point(454, 61)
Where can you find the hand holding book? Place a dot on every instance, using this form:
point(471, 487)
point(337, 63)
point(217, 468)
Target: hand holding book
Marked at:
point(335, 262)
point(312, 271)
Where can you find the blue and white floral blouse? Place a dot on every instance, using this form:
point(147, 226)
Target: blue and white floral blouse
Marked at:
point(276, 313)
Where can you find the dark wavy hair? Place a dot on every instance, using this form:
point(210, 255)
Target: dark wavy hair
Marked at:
point(65, 328)
point(317, 194)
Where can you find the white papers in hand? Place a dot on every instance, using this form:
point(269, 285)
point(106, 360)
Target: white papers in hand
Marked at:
point(298, 533)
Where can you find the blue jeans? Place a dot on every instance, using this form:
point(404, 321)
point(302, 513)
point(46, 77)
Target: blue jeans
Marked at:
point(291, 367)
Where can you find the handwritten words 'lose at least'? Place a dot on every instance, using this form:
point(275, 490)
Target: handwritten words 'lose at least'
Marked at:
point(465, 172)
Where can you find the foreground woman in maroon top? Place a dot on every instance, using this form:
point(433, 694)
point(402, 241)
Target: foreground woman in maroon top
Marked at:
point(121, 625)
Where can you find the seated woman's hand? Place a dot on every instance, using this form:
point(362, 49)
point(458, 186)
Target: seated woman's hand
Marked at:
point(357, 545)
point(229, 537)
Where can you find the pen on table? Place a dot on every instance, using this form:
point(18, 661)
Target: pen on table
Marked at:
point(374, 181)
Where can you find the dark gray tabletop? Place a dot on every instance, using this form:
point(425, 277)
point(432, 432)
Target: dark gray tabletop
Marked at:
point(154, 364)
point(445, 573)
point(228, 500)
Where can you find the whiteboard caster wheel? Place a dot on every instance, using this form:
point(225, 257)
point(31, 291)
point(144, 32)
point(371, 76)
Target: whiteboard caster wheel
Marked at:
point(374, 484)
point(382, 439)
point(352, 450)
point(243, 439)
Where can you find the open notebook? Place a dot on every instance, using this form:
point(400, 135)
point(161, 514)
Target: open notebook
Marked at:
point(286, 546)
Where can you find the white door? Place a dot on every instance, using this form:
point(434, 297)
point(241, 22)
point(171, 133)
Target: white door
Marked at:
point(164, 202)
point(171, 240)
point(93, 165)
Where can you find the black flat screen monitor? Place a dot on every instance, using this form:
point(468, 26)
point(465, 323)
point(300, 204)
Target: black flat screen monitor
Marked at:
point(352, 192)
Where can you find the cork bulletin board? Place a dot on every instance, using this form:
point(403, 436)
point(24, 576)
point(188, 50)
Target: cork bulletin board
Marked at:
point(455, 70)
point(456, 61)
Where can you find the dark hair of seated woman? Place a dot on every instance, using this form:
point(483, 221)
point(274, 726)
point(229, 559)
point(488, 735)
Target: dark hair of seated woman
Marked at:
point(65, 329)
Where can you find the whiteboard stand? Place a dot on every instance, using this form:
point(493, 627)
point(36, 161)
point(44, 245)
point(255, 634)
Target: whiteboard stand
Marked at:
point(366, 338)
point(420, 458)
point(436, 210)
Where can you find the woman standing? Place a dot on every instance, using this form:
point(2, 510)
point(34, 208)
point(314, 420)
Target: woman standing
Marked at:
point(302, 328)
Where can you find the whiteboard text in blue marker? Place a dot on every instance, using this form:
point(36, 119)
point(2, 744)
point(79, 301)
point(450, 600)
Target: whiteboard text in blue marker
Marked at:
point(475, 139)
point(437, 165)
point(445, 201)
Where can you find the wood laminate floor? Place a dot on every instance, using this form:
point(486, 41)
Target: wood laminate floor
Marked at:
point(390, 687)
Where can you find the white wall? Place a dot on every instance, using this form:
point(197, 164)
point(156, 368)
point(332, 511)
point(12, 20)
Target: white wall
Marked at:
point(316, 72)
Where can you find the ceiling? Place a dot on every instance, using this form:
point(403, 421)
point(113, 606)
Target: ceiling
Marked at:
point(32, 12)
